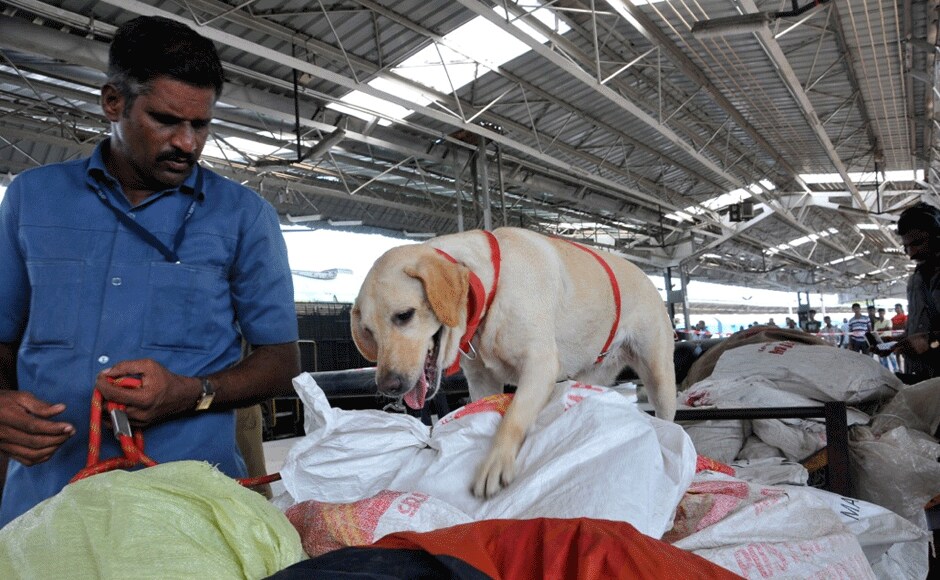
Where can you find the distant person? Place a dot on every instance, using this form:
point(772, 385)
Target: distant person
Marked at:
point(859, 326)
point(833, 335)
point(811, 325)
point(898, 324)
point(919, 229)
point(872, 315)
point(771, 322)
point(899, 320)
point(882, 330)
point(791, 324)
point(845, 333)
point(700, 331)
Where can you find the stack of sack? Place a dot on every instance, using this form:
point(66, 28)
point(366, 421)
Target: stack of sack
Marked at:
point(893, 450)
point(360, 476)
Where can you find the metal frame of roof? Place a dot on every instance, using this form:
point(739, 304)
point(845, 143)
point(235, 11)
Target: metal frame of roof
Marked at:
point(600, 132)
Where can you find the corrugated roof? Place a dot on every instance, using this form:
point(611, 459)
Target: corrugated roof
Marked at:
point(598, 134)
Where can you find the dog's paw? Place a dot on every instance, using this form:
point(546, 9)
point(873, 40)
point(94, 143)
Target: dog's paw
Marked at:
point(495, 473)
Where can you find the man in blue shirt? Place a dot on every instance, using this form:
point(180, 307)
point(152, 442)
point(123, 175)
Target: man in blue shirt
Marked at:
point(137, 261)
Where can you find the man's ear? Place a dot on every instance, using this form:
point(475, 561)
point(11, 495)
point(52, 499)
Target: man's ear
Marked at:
point(112, 102)
point(446, 286)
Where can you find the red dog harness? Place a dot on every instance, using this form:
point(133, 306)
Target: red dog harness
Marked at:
point(478, 302)
point(616, 289)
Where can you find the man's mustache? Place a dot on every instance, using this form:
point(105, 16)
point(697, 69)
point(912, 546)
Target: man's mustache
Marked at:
point(177, 156)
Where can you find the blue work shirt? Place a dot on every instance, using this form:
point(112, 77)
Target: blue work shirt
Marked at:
point(82, 292)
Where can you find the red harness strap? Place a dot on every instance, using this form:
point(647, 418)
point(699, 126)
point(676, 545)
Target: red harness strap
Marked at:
point(478, 302)
point(616, 289)
point(132, 446)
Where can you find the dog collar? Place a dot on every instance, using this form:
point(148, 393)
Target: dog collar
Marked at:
point(478, 302)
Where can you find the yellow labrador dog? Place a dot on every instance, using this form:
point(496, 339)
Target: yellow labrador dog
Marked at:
point(515, 307)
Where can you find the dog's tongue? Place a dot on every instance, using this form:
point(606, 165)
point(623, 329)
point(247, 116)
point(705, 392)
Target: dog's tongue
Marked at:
point(415, 397)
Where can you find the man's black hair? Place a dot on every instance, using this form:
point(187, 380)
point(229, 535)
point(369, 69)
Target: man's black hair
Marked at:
point(149, 47)
point(921, 216)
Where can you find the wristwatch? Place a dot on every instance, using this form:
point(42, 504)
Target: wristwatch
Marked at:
point(208, 393)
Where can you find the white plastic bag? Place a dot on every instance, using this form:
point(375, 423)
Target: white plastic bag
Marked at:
point(897, 469)
point(766, 532)
point(591, 453)
point(810, 371)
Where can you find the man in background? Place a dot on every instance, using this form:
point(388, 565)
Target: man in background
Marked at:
point(811, 325)
point(898, 323)
point(833, 335)
point(882, 330)
point(859, 325)
point(919, 229)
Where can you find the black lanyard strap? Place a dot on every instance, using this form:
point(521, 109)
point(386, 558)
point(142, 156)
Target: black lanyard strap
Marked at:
point(144, 234)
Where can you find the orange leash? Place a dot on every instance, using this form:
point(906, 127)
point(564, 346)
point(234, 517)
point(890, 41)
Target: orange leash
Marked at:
point(131, 444)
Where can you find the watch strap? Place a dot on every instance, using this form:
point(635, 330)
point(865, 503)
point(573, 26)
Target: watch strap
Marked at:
point(208, 394)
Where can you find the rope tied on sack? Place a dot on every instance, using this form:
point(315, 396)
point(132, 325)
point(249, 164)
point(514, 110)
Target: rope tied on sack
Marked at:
point(132, 444)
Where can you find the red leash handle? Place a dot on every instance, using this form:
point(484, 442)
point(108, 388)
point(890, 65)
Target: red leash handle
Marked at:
point(131, 445)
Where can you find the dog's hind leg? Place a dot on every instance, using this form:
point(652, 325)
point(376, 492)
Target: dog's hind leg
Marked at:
point(536, 383)
point(654, 366)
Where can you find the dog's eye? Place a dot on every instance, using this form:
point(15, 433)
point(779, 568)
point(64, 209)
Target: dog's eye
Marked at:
point(404, 317)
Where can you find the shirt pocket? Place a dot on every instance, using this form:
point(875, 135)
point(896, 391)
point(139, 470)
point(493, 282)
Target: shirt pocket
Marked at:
point(183, 308)
point(56, 289)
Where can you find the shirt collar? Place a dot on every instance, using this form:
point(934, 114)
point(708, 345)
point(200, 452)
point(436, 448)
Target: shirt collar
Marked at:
point(97, 171)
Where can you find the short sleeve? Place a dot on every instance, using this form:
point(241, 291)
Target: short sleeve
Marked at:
point(14, 282)
point(262, 284)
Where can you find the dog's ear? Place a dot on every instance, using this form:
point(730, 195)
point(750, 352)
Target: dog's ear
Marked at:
point(364, 340)
point(446, 285)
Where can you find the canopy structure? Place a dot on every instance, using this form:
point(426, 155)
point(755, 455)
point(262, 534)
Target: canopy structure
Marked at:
point(762, 143)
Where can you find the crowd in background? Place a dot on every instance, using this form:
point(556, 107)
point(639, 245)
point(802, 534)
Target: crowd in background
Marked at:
point(859, 332)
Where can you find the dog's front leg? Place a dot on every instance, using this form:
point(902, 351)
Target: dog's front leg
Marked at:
point(535, 388)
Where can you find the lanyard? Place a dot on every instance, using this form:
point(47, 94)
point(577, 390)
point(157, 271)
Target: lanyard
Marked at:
point(168, 253)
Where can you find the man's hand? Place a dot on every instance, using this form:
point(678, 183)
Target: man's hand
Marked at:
point(27, 433)
point(161, 394)
point(913, 344)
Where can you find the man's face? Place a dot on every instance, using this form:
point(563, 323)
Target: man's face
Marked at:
point(158, 139)
point(916, 245)
point(857, 310)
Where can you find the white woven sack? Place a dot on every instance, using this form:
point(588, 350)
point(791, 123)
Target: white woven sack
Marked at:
point(819, 372)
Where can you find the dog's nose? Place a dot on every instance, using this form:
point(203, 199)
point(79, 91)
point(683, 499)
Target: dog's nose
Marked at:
point(392, 385)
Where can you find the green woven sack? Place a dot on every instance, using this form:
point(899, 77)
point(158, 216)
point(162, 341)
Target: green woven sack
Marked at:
point(183, 519)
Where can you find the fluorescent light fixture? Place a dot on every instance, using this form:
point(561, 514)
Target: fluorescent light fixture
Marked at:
point(722, 201)
point(419, 234)
point(800, 241)
point(342, 223)
point(864, 177)
point(868, 226)
point(747, 23)
point(731, 25)
point(297, 219)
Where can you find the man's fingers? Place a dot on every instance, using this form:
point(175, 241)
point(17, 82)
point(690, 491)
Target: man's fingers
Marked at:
point(29, 415)
point(28, 455)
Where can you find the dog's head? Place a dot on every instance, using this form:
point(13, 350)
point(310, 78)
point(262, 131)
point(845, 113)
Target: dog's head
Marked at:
point(409, 317)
